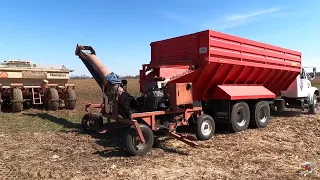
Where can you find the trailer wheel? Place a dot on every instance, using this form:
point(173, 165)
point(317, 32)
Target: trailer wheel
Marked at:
point(240, 117)
point(53, 99)
point(261, 115)
point(313, 109)
point(205, 127)
point(70, 101)
point(133, 144)
point(0, 102)
point(17, 100)
point(87, 125)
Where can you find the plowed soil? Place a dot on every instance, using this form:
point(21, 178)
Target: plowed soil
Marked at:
point(38, 144)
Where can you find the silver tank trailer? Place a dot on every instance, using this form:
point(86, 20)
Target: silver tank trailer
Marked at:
point(23, 82)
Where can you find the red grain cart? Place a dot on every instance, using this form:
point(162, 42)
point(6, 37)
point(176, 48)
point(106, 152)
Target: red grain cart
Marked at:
point(196, 80)
point(235, 79)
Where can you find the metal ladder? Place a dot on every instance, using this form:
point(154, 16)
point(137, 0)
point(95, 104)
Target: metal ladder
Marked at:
point(36, 97)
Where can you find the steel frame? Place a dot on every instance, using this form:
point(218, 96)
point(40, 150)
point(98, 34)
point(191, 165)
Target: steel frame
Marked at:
point(149, 118)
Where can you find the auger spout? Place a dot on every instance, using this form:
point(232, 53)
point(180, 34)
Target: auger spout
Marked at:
point(94, 65)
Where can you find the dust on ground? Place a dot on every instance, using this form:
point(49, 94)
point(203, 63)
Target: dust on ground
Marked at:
point(275, 152)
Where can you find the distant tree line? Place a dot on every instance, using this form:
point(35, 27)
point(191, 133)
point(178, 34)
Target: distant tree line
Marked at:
point(130, 77)
point(90, 77)
point(80, 77)
point(317, 74)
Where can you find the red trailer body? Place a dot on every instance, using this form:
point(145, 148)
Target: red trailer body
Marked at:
point(222, 66)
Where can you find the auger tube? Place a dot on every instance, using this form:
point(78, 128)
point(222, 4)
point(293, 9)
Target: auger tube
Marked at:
point(94, 65)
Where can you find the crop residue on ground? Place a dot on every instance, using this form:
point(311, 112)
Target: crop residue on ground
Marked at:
point(50, 145)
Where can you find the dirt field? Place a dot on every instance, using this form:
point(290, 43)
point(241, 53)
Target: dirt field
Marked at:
point(39, 144)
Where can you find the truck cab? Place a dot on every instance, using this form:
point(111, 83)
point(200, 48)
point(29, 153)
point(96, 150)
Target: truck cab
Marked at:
point(302, 90)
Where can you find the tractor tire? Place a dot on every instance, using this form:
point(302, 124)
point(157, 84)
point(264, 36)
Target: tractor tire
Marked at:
point(205, 127)
point(17, 100)
point(313, 108)
point(88, 126)
point(260, 115)
point(240, 117)
point(70, 100)
point(0, 102)
point(53, 99)
point(132, 144)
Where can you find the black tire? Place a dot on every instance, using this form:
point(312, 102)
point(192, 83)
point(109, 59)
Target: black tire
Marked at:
point(240, 117)
point(70, 101)
point(0, 102)
point(17, 100)
point(53, 99)
point(87, 125)
point(313, 108)
point(205, 127)
point(132, 139)
point(260, 115)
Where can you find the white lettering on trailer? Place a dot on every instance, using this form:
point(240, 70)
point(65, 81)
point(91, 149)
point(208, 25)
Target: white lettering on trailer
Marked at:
point(222, 115)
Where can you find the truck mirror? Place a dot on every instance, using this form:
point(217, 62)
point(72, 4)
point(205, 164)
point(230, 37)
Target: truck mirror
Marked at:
point(314, 72)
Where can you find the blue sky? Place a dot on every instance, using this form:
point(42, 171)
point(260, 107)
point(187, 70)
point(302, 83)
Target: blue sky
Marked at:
point(46, 32)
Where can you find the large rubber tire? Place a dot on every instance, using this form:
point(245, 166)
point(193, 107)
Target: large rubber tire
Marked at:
point(53, 99)
point(240, 117)
point(0, 102)
point(133, 146)
point(70, 101)
point(88, 126)
point(313, 108)
point(205, 127)
point(260, 115)
point(17, 100)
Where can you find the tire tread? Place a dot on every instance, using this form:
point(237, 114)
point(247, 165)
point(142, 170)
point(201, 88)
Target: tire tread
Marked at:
point(17, 98)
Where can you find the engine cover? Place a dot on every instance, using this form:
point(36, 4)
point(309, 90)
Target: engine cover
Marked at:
point(153, 98)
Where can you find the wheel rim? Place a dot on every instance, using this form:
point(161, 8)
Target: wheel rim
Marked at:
point(137, 143)
point(90, 123)
point(263, 114)
point(241, 121)
point(206, 128)
point(315, 104)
